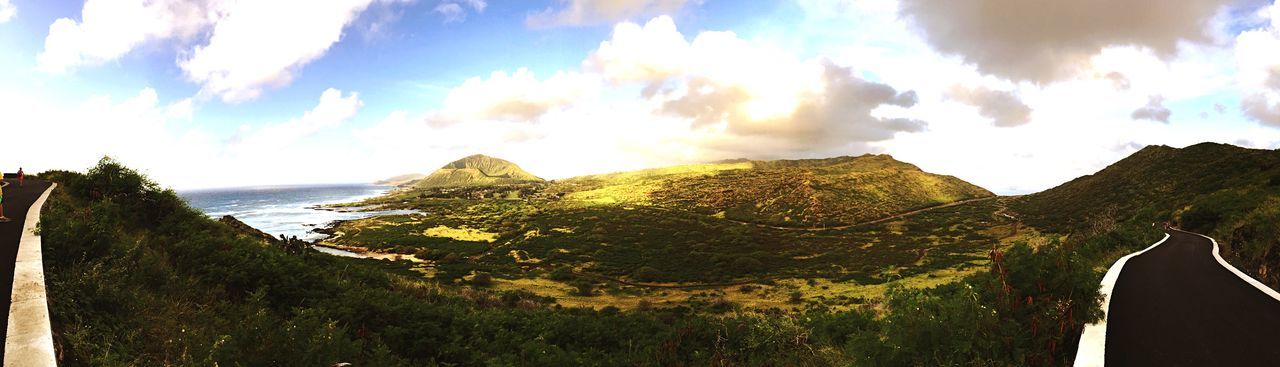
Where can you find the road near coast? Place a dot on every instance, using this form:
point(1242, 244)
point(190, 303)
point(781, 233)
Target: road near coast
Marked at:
point(1176, 305)
point(16, 202)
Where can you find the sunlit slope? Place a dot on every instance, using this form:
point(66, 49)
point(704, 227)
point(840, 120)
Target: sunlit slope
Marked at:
point(800, 193)
point(476, 170)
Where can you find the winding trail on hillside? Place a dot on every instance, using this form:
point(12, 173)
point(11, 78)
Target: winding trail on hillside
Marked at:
point(874, 221)
point(17, 202)
point(1179, 304)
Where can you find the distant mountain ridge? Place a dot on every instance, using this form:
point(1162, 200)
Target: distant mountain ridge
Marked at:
point(476, 170)
point(400, 180)
point(805, 192)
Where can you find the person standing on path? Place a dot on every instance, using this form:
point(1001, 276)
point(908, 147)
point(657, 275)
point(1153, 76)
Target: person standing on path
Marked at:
point(2, 217)
point(21, 177)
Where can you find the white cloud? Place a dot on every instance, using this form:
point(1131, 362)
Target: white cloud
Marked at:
point(1258, 60)
point(233, 49)
point(591, 12)
point(743, 97)
point(331, 112)
point(182, 109)
point(134, 129)
point(518, 96)
point(1079, 124)
point(636, 53)
point(253, 47)
point(651, 96)
point(109, 29)
point(145, 134)
point(648, 97)
point(455, 11)
point(7, 11)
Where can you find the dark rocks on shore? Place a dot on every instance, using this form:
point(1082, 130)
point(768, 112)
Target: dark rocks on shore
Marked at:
point(247, 230)
point(292, 245)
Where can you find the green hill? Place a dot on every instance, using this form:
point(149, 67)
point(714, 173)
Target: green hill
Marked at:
point(1228, 192)
point(798, 193)
point(476, 170)
point(1151, 184)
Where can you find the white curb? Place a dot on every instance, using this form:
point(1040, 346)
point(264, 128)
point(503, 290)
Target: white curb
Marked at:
point(1093, 340)
point(1248, 279)
point(29, 340)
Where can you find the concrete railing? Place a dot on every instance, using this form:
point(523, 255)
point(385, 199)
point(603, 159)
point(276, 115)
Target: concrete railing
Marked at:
point(29, 340)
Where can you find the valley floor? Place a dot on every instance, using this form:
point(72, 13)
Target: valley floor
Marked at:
point(640, 256)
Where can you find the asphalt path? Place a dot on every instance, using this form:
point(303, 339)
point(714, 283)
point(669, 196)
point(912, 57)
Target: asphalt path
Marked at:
point(16, 202)
point(1175, 305)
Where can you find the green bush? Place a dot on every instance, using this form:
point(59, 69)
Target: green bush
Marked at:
point(1200, 219)
point(482, 280)
point(561, 274)
point(747, 265)
point(646, 274)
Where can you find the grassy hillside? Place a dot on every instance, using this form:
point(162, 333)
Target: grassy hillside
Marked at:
point(790, 193)
point(730, 222)
point(476, 170)
point(136, 277)
point(1225, 191)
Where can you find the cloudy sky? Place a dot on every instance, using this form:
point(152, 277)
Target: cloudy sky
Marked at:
point(1013, 95)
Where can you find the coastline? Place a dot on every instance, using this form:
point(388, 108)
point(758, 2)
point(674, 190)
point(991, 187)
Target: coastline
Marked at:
point(356, 251)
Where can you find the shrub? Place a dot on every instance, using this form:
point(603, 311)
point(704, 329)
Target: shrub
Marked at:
point(646, 274)
point(482, 280)
point(1200, 218)
point(795, 297)
point(585, 288)
point(561, 274)
point(451, 258)
point(747, 265)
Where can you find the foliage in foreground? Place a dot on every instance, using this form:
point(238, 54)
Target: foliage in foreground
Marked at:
point(138, 278)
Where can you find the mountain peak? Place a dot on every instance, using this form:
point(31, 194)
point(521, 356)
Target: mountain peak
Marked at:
point(477, 170)
point(476, 160)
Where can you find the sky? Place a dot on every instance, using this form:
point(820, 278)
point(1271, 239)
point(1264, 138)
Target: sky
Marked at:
point(1016, 96)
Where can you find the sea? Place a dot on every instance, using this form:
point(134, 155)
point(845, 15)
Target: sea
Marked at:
point(287, 210)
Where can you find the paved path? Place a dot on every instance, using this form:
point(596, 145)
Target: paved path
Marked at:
point(16, 202)
point(1176, 305)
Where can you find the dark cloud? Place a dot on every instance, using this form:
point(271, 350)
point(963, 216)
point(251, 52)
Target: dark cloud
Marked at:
point(1118, 80)
point(838, 116)
point(1257, 107)
point(1273, 78)
point(1002, 107)
point(1154, 111)
point(1047, 40)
